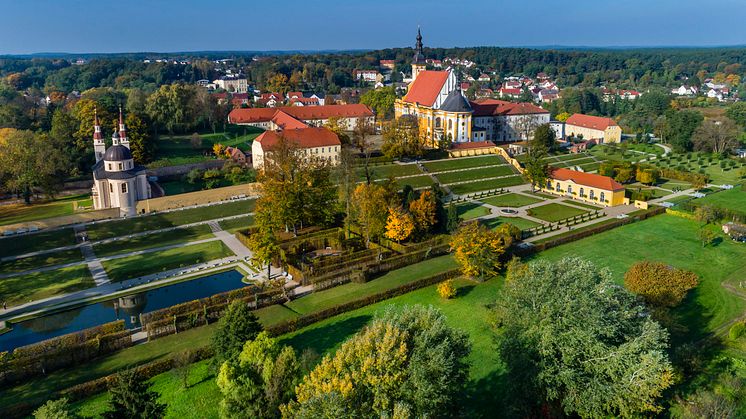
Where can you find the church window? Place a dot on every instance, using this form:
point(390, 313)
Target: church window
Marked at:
point(108, 166)
point(450, 124)
point(124, 188)
point(120, 166)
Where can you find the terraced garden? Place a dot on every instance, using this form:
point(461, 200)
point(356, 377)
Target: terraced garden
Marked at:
point(24, 288)
point(484, 185)
point(554, 212)
point(474, 174)
point(463, 163)
point(513, 200)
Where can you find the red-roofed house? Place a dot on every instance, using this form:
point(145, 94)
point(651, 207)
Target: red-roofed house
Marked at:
point(236, 155)
point(603, 129)
point(390, 64)
point(314, 142)
point(588, 187)
point(304, 101)
point(510, 92)
point(348, 115)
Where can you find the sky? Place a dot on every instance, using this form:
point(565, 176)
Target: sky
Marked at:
point(100, 26)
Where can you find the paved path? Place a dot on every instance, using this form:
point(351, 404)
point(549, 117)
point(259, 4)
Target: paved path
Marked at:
point(97, 270)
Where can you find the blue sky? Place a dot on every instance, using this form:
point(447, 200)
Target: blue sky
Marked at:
point(28, 26)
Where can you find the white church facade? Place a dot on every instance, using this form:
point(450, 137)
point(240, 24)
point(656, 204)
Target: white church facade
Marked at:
point(117, 181)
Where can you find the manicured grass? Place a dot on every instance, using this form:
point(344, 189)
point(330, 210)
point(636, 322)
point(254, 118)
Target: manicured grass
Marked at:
point(734, 199)
point(415, 181)
point(671, 240)
point(178, 187)
point(150, 263)
point(670, 184)
point(150, 241)
point(513, 200)
point(484, 185)
point(235, 224)
point(27, 243)
point(39, 261)
point(519, 222)
point(471, 210)
point(118, 228)
point(474, 174)
point(12, 214)
point(390, 170)
point(178, 149)
point(581, 204)
point(554, 212)
point(462, 163)
point(21, 289)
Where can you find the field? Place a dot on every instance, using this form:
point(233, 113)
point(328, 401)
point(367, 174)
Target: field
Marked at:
point(21, 289)
point(148, 241)
point(19, 213)
point(554, 212)
point(483, 185)
point(150, 263)
point(47, 259)
point(474, 174)
point(178, 150)
point(27, 243)
point(734, 199)
point(471, 210)
point(513, 200)
point(118, 228)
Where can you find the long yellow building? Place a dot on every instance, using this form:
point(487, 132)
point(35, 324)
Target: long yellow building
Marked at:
point(586, 187)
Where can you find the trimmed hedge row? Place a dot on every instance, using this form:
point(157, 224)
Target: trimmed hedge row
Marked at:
point(191, 306)
point(63, 351)
point(720, 212)
point(581, 234)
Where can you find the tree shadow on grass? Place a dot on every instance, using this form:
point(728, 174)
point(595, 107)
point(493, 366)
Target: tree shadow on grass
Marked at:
point(324, 338)
point(485, 398)
point(463, 291)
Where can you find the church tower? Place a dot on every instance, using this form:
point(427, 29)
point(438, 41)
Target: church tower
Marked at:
point(99, 147)
point(123, 140)
point(418, 61)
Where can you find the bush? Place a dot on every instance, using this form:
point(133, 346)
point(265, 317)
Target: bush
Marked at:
point(737, 330)
point(446, 289)
point(659, 284)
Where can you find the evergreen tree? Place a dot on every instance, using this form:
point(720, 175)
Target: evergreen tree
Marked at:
point(131, 397)
point(453, 219)
point(54, 409)
point(237, 326)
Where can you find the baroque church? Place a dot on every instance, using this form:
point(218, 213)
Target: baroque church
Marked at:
point(444, 114)
point(435, 99)
point(117, 181)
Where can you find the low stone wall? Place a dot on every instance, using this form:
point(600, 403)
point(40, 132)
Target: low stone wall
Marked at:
point(64, 220)
point(197, 198)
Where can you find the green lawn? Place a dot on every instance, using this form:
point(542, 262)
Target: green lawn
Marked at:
point(471, 210)
point(554, 212)
point(484, 185)
point(463, 163)
point(149, 241)
point(21, 289)
point(47, 259)
point(390, 170)
point(474, 174)
point(176, 150)
point(236, 224)
point(519, 222)
point(27, 243)
point(513, 200)
point(150, 263)
point(415, 181)
point(734, 199)
point(167, 219)
point(581, 204)
point(178, 187)
point(12, 214)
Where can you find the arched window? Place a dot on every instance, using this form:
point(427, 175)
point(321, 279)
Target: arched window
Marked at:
point(450, 124)
point(582, 192)
point(437, 122)
point(602, 197)
point(558, 188)
point(569, 189)
point(592, 195)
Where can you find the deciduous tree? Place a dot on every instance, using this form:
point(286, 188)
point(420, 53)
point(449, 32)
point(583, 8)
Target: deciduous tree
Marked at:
point(478, 250)
point(424, 212)
point(399, 225)
point(55, 409)
point(571, 337)
point(716, 136)
point(368, 202)
point(659, 284)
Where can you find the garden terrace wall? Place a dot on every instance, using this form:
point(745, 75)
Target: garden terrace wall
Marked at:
point(63, 351)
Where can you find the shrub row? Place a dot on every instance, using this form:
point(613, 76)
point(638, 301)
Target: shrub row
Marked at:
point(685, 176)
point(720, 212)
point(54, 354)
point(580, 234)
point(191, 306)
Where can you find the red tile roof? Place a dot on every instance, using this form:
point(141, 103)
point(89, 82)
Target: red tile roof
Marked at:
point(494, 107)
point(285, 121)
point(301, 137)
point(303, 113)
point(592, 122)
point(472, 145)
point(586, 179)
point(426, 87)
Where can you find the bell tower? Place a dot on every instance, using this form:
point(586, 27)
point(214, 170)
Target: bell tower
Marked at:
point(99, 147)
point(418, 61)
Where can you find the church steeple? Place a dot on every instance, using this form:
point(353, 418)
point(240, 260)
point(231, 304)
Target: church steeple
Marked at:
point(418, 61)
point(99, 147)
point(123, 140)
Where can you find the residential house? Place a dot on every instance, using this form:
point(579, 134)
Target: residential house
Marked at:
point(236, 155)
point(685, 90)
point(314, 142)
point(387, 64)
point(290, 116)
point(507, 92)
point(233, 84)
point(370, 76)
